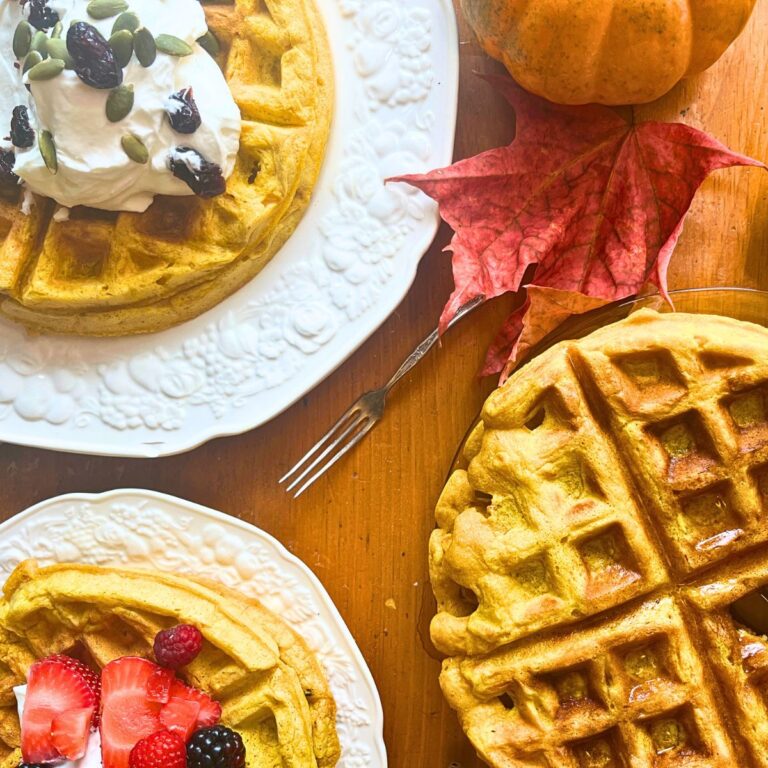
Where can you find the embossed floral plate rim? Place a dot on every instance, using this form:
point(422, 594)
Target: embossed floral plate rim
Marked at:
point(180, 535)
point(349, 264)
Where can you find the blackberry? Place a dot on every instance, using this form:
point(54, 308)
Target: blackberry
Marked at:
point(215, 747)
point(31, 765)
point(203, 177)
point(22, 134)
point(182, 111)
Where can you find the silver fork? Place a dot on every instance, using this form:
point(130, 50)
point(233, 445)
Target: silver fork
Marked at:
point(359, 419)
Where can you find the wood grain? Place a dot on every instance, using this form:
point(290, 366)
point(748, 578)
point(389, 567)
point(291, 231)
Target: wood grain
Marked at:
point(364, 529)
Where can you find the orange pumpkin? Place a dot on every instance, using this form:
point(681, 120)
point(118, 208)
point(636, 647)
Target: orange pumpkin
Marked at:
point(606, 51)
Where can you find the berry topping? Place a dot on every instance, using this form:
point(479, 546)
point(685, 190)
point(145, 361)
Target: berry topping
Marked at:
point(159, 685)
point(41, 16)
point(178, 646)
point(180, 716)
point(55, 686)
point(203, 177)
point(70, 731)
point(163, 749)
point(7, 161)
point(210, 710)
point(127, 714)
point(95, 62)
point(216, 747)
point(22, 134)
point(182, 111)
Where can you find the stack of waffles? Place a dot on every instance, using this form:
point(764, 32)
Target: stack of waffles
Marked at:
point(592, 561)
point(110, 274)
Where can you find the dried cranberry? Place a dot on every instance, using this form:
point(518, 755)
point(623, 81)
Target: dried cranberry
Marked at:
point(95, 62)
point(182, 111)
point(7, 161)
point(22, 134)
point(203, 177)
point(41, 16)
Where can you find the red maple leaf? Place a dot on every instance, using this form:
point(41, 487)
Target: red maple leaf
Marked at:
point(593, 204)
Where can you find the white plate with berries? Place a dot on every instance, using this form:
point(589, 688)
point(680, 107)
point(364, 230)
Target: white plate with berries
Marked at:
point(342, 273)
point(152, 530)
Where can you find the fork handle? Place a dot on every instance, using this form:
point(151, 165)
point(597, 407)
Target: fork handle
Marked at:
point(420, 352)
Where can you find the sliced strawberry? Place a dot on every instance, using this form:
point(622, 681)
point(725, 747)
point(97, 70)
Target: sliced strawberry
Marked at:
point(55, 685)
point(180, 716)
point(127, 715)
point(70, 731)
point(159, 685)
point(210, 710)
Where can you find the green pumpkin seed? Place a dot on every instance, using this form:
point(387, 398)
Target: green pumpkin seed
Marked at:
point(105, 9)
point(57, 49)
point(22, 39)
point(144, 46)
point(48, 151)
point(119, 103)
point(32, 60)
point(134, 147)
point(58, 28)
point(122, 46)
point(173, 46)
point(39, 43)
point(129, 21)
point(46, 70)
point(209, 43)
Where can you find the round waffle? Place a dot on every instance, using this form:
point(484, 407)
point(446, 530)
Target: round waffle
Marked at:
point(271, 687)
point(109, 274)
point(590, 560)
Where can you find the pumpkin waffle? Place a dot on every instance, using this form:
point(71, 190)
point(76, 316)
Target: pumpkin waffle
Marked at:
point(109, 274)
point(270, 686)
point(587, 559)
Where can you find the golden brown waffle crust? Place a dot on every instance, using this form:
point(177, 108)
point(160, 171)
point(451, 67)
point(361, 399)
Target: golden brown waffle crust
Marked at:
point(610, 509)
point(116, 275)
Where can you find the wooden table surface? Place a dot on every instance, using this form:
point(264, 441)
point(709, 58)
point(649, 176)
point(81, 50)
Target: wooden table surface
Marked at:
point(364, 529)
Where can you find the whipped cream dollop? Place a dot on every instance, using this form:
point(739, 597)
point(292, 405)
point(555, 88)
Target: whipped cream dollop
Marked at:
point(93, 167)
point(92, 756)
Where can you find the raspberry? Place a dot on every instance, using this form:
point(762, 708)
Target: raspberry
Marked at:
point(215, 747)
point(163, 749)
point(178, 646)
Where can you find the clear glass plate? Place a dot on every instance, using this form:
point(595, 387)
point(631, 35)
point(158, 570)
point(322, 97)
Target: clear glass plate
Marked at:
point(747, 304)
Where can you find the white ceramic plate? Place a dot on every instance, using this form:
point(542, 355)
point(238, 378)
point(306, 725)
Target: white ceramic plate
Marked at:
point(346, 268)
point(136, 527)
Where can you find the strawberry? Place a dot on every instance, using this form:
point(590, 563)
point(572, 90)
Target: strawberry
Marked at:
point(70, 731)
point(55, 685)
point(180, 716)
point(127, 715)
point(163, 749)
point(159, 685)
point(210, 710)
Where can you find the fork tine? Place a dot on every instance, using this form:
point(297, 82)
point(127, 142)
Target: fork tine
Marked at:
point(348, 447)
point(357, 420)
point(352, 411)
